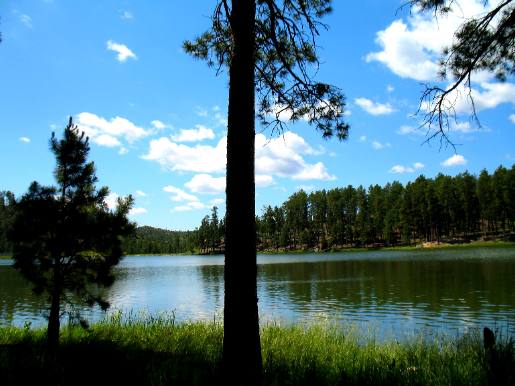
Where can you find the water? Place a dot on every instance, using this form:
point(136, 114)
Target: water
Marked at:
point(388, 292)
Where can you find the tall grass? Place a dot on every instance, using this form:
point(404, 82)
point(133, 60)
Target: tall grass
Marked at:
point(159, 351)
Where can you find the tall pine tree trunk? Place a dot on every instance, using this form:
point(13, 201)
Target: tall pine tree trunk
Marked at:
point(55, 311)
point(242, 348)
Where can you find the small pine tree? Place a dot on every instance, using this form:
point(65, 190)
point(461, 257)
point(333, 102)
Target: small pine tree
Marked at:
point(65, 239)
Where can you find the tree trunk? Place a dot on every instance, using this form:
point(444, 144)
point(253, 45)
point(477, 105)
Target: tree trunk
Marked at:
point(55, 311)
point(242, 348)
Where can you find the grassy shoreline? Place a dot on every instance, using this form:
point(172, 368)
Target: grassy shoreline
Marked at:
point(160, 351)
point(443, 246)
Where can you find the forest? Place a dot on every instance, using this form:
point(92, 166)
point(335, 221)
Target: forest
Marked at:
point(444, 208)
point(441, 209)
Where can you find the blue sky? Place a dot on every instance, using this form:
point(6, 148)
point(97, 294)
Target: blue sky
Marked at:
point(157, 118)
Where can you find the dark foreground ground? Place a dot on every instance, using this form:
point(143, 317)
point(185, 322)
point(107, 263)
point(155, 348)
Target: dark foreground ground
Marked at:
point(158, 351)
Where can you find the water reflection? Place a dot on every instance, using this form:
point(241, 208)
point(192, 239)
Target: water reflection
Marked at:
point(446, 291)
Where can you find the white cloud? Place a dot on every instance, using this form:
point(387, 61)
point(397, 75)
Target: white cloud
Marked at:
point(217, 201)
point(411, 49)
point(487, 96)
point(25, 139)
point(122, 50)
point(282, 157)
point(263, 180)
point(398, 169)
point(363, 138)
point(137, 211)
point(123, 151)
point(126, 15)
point(374, 108)
point(378, 145)
point(26, 20)
point(157, 124)
point(401, 169)
point(512, 118)
point(109, 133)
point(455, 160)
point(194, 205)
point(106, 140)
point(140, 193)
point(179, 195)
point(112, 200)
point(405, 130)
point(205, 183)
point(179, 157)
point(390, 88)
point(198, 134)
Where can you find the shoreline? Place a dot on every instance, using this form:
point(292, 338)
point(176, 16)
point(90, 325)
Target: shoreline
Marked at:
point(161, 351)
point(419, 247)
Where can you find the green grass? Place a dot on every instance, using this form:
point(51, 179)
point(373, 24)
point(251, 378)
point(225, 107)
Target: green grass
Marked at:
point(158, 351)
point(474, 244)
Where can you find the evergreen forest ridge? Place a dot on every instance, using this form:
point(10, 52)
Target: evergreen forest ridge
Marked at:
point(441, 209)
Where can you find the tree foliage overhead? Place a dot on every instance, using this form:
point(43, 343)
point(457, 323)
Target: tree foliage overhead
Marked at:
point(286, 62)
point(485, 42)
point(65, 239)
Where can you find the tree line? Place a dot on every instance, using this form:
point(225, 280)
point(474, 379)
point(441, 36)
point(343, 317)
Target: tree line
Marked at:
point(443, 208)
point(151, 240)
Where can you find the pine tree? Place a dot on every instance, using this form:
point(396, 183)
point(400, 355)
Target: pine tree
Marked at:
point(485, 42)
point(65, 239)
point(269, 48)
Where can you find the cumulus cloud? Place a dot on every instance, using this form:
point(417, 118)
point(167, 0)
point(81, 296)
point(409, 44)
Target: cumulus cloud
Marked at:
point(206, 183)
point(263, 180)
point(378, 145)
point(512, 118)
point(282, 157)
point(411, 48)
point(140, 193)
point(193, 205)
point(112, 200)
point(199, 133)
point(179, 195)
point(109, 133)
point(401, 169)
point(405, 130)
point(137, 211)
point(363, 138)
point(157, 124)
point(24, 139)
point(179, 157)
point(455, 160)
point(485, 95)
point(123, 52)
point(374, 108)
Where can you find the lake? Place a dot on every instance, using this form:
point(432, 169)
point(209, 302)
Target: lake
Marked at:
point(392, 293)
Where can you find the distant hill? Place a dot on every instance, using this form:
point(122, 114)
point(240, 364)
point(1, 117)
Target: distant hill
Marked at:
point(151, 240)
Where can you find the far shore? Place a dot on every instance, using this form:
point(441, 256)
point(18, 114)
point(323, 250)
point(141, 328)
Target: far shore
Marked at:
point(419, 247)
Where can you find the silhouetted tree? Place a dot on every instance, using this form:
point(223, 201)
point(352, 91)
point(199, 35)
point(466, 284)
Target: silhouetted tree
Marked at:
point(7, 205)
point(269, 47)
point(485, 42)
point(65, 239)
